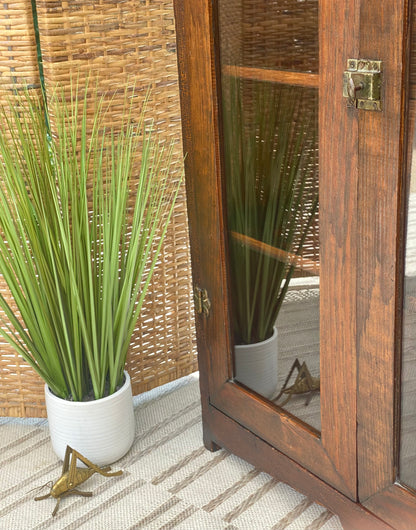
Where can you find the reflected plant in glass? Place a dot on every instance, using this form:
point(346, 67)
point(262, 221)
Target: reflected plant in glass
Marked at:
point(270, 144)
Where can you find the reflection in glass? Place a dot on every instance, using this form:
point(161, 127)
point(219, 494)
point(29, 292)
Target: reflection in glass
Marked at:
point(407, 454)
point(408, 409)
point(271, 34)
point(270, 148)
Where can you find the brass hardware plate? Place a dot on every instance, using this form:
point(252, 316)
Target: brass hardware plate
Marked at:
point(201, 301)
point(362, 84)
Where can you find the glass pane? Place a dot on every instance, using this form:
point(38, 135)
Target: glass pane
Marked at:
point(407, 462)
point(273, 34)
point(408, 409)
point(270, 148)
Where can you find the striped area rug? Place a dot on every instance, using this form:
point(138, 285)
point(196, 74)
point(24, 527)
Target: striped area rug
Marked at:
point(170, 480)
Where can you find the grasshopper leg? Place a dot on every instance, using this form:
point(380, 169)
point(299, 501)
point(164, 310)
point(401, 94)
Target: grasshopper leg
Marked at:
point(83, 493)
point(42, 497)
point(58, 500)
point(295, 365)
point(102, 471)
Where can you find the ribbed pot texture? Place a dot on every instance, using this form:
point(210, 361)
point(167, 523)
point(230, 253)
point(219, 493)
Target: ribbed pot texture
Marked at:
point(256, 366)
point(101, 430)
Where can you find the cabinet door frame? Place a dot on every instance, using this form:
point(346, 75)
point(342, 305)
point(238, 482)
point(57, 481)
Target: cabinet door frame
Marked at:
point(383, 147)
point(330, 454)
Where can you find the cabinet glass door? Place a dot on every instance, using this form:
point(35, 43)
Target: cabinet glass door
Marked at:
point(269, 58)
point(272, 178)
point(289, 237)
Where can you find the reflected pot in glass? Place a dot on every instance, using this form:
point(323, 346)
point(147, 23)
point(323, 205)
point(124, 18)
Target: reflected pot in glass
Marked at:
point(102, 430)
point(256, 366)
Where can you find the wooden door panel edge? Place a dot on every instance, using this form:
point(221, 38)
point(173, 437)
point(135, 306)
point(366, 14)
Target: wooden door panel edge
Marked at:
point(338, 167)
point(228, 434)
point(281, 430)
point(380, 165)
point(395, 505)
point(202, 169)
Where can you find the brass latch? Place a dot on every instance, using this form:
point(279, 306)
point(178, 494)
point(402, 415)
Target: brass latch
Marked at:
point(201, 301)
point(362, 84)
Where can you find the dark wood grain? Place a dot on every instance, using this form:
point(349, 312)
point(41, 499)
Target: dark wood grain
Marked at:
point(202, 169)
point(338, 166)
point(395, 505)
point(381, 155)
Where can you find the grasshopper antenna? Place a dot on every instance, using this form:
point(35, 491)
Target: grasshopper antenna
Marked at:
point(39, 488)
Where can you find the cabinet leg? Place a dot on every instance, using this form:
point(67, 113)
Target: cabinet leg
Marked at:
point(208, 439)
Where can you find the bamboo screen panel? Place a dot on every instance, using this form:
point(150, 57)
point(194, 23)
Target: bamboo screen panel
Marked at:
point(21, 389)
point(118, 43)
point(18, 61)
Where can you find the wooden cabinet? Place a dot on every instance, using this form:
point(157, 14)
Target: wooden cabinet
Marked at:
point(347, 309)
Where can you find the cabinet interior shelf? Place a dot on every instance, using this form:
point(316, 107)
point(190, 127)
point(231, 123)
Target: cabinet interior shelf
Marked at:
point(308, 266)
point(304, 79)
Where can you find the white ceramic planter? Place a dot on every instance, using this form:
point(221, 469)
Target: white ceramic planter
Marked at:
point(101, 430)
point(256, 366)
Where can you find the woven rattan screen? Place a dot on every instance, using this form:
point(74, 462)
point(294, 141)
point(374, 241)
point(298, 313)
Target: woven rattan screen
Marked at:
point(118, 43)
point(21, 390)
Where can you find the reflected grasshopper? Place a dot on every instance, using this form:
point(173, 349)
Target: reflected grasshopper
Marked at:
point(304, 383)
point(73, 476)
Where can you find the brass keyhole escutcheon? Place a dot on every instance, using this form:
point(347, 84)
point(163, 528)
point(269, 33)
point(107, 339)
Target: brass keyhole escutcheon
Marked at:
point(362, 84)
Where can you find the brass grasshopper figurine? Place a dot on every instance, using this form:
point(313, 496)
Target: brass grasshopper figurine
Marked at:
point(72, 476)
point(304, 383)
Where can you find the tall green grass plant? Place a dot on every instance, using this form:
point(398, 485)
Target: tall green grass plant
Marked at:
point(270, 138)
point(80, 234)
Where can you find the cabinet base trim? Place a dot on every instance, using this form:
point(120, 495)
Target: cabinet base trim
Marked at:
point(222, 431)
